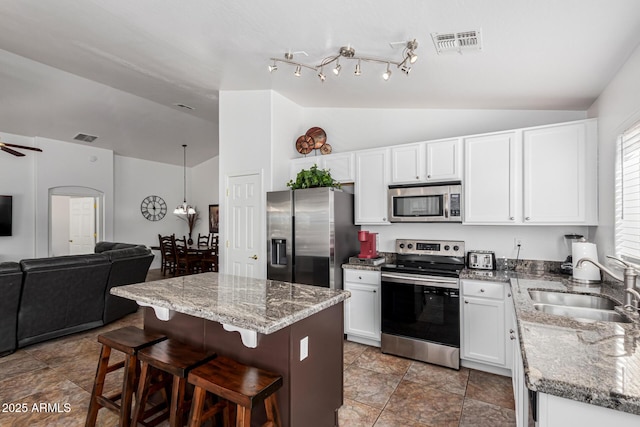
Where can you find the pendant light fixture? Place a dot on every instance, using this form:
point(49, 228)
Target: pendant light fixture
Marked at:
point(184, 208)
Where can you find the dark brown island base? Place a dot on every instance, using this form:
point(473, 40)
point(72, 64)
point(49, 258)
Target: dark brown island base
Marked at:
point(293, 330)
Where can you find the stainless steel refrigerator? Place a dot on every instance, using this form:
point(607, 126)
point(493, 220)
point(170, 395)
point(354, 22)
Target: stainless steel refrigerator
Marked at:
point(310, 234)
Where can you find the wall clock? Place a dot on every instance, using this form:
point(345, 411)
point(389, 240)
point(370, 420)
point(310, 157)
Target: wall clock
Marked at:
point(153, 208)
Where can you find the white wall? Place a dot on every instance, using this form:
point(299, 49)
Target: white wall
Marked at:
point(617, 108)
point(288, 123)
point(204, 184)
point(65, 164)
point(17, 180)
point(350, 129)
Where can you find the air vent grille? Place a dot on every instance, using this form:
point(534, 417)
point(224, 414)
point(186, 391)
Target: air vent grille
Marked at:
point(186, 107)
point(457, 42)
point(85, 138)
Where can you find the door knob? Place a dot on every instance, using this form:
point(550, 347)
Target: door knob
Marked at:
point(254, 257)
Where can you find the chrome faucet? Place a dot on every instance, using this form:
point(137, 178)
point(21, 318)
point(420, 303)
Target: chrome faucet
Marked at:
point(629, 280)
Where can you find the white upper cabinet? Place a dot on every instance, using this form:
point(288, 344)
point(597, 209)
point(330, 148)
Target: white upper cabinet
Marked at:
point(341, 165)
point(444, 160)
point(431, 161)
point(490, 182)
point(407, 164)
point(545, 175)
point(371, 186)
point(560, 174)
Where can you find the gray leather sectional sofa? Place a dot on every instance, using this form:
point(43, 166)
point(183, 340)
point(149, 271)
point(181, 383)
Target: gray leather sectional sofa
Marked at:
point(45, 298)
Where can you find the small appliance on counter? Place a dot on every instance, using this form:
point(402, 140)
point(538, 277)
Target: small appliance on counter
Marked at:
point(481, 260)
point(587, 273)
point(567, 266)
point(371, 262)
point(368, 244)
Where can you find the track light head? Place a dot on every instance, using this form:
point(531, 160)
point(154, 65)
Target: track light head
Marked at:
point(298, 71)
point(322, 76)
point(358, 71)
point(387, 74)
point(337, 69)
point(273, 67)
point(405, 69)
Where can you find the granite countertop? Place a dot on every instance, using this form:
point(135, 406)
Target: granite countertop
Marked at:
point(257, 305)
point(592, 362)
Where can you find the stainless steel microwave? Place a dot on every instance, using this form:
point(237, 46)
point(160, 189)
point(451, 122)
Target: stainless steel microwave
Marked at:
point(425, 203)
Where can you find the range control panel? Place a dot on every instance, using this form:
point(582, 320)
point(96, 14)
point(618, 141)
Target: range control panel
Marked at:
point(430, 247)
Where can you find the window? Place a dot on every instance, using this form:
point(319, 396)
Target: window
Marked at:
point(627, 228)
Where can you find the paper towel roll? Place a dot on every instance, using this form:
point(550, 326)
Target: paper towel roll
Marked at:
point(587, 271)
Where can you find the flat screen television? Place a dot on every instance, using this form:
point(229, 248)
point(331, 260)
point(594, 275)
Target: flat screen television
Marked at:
point(6, 203)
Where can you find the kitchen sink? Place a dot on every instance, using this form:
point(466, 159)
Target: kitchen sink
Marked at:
point(572, 300)
point(582, 313)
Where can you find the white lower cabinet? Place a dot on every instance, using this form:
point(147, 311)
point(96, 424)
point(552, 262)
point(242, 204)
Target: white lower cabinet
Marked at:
point(362, 310)
point(484, 334)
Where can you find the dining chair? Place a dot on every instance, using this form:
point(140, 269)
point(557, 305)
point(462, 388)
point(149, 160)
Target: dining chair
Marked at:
point(185, 262)
point(167, 256)
point(203, 240)
point(210, 259)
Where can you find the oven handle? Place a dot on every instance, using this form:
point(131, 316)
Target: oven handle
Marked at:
point(440, 282)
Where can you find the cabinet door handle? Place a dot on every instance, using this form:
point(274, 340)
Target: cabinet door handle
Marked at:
point(508, 295)
point(527, 218)
point(375, 292)
point(511, 218)
point(481, 290)
point(428, 176)
point(512, 337)
point(511, 331)
point(466, 302)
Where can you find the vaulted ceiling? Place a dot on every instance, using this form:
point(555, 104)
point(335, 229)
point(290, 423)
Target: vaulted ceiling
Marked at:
point(117, 68)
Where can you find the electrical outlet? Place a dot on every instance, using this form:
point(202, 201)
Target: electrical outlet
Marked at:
point(304, 348)
point(517, 241)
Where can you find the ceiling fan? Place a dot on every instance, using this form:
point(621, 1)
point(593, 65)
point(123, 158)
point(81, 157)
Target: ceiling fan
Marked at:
point(4, 146)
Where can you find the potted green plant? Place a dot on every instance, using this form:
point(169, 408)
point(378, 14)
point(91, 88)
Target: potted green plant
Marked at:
point(313, 177)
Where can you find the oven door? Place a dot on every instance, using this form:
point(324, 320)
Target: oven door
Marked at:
point(425, 308)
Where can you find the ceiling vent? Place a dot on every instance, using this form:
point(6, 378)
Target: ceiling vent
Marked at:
point(85, 138)
point(184, 106)
point(457, 42)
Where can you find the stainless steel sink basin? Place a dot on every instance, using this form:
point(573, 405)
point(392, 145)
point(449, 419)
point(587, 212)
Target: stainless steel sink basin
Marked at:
point(582, 313)
point(572, 300)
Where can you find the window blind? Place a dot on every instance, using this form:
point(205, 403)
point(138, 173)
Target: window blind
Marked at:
point(627, 227)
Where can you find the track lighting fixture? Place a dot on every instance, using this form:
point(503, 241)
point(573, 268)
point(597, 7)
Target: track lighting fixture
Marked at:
point(347, 52)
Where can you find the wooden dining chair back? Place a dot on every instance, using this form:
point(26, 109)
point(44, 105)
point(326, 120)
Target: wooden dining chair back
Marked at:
point(185, 262)
point(167, 255)
point(210, 259)
point(203, 240)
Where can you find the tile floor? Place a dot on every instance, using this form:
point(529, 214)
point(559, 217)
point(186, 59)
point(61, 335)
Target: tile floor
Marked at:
point(49, 384)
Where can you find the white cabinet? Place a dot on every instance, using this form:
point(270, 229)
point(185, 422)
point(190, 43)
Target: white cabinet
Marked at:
point(362, 309)
point(430, 161)
point(371, 186)
point(544, 175)
point(443, 160)
point(490, 182)
point(407, 164)
point(483, 322)
point(560, 174)
point(341, 165)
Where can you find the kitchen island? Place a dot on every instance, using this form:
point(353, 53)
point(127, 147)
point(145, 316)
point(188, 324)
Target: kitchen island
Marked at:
point(294, 330)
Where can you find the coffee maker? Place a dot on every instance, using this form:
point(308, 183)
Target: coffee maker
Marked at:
point(368, 244)
point(567, 266)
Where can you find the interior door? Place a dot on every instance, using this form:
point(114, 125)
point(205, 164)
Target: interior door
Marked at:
point(244, 244)
point(82, 225)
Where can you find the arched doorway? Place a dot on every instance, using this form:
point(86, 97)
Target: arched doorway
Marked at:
point(76, 220)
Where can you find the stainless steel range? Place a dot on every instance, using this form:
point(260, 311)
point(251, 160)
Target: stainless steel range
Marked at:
point(421, 301)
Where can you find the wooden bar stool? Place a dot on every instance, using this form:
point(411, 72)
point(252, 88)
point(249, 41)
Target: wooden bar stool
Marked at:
point(234, 382)
point(128, 340)
point(173, 361)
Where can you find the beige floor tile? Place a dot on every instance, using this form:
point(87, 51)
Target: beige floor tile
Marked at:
point(438, 377)
point(18, 363)
point(480, 414)
point(369, 387)
point(490, 388)
point(373, 359)
point(351, 351)
point(389, 419)
point(354, 414)
point(426, 405)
